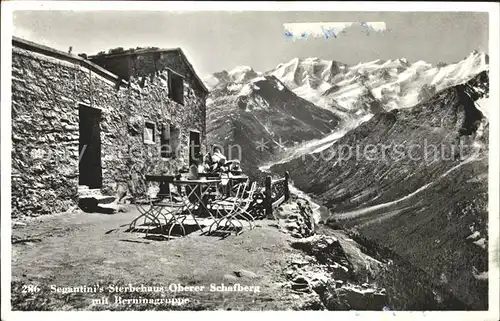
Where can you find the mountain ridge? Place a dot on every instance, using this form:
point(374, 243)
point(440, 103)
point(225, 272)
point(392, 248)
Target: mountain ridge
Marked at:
point(337, 86)
point(262, 117)
point(342, 95)
point(431, 205)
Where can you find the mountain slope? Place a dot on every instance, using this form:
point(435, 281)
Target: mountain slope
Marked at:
point(403, 179)
point(242, 115)
point(352, 93)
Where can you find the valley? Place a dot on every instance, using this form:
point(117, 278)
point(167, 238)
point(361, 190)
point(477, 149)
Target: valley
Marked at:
point(400, 164)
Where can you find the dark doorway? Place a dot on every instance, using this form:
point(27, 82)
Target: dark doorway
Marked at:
point(194, 147)
point(90, 147)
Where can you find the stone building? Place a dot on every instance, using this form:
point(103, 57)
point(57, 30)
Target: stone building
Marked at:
point(100, 123)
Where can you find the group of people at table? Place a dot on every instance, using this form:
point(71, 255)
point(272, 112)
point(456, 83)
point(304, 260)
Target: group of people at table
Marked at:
point(213, 167)
point(209, 181)
point(215, 163)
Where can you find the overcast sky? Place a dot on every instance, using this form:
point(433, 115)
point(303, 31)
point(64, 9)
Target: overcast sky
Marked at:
point(214, 41)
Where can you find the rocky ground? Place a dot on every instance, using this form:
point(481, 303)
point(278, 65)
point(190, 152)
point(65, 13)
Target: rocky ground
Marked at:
point(294, 267)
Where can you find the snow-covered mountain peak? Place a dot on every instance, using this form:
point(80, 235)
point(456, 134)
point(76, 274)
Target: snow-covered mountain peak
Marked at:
point(350, 90)
point(475, 52)
point(242, 74)
point(240, 70)
point(305, 74)
point(238, 75)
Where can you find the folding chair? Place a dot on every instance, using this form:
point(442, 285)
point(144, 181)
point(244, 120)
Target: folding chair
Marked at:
point(226, 205)
point(152, 208)
point(175, 210)
point(236, 208)
point(144, 204)
point(179, 207)
point(244, 205)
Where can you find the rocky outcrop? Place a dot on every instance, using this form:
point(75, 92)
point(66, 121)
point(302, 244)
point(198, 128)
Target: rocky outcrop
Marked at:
point(325, 278)
point(329, 252)
point(353, 297)
point(296, 217)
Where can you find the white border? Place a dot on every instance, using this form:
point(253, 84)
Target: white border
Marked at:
point(494, 192)
point(178, 6)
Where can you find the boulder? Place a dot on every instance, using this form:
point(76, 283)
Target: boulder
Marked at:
point(328, 251)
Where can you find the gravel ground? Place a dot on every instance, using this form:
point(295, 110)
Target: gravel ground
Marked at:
point(81, 249)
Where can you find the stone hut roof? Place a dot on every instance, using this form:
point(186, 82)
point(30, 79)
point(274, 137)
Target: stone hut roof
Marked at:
point(155, 50)
point(35, 47)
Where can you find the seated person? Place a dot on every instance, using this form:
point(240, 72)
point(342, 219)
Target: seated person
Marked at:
point(196, 167)
point(207, 163)
point(193, 172)
point(218, 159)
point(201, 164)
point(193, 175)
point(234, 166)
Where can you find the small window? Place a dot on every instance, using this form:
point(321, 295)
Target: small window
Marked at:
point(170, 141)
point(176, 87)
point(149, 133)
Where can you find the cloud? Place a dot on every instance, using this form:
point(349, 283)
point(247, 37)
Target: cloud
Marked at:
point(23, 33)
point(32, 36)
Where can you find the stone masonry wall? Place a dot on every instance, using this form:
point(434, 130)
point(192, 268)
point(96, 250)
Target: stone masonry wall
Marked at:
point(45, 132)
point(45, 129)
point(148, 73)
point(147, 100)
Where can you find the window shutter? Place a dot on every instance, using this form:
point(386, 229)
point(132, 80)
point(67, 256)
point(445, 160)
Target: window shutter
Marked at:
point(148, 134)
point(166, 132)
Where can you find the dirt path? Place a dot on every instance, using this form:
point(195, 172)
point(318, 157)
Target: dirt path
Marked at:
point(81, 249)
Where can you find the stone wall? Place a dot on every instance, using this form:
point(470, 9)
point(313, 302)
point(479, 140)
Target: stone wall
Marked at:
point(45, 132)
point(46, 92)
point(147, 74)
point(147, 100)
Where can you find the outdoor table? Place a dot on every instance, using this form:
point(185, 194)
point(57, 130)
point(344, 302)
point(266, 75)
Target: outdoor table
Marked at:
point(160, 178)
point(174, 211)
point(187, 205)
point(164, 180)
point(206, 185)
point(210, 175)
